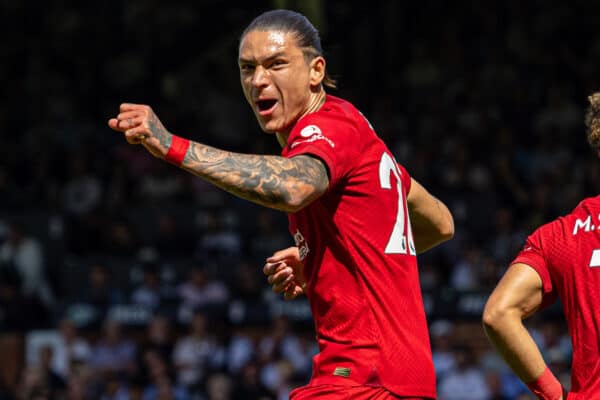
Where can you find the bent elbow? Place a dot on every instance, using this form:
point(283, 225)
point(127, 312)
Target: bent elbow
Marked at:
point(447, 229)
point(299, 197)
point(492, 317)
point(295, 203)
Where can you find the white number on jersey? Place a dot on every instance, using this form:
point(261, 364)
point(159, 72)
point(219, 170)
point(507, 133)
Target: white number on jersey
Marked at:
point(397, 242)
point(595, 260)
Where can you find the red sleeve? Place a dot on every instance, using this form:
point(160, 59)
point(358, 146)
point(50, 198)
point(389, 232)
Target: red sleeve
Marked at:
point(327, 138)
point(534, 255)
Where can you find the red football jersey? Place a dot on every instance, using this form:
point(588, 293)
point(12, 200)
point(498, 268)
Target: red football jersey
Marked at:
point(566, 255)
point(359, 258)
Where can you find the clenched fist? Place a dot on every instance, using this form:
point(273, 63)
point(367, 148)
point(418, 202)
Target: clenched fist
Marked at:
point(140, 125)
point(285, 273)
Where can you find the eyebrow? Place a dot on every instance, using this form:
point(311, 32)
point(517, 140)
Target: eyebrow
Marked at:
point(271, 57)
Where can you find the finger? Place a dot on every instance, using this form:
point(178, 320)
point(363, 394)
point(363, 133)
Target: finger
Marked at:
point(123, 125)
point(128, 114)
point(113, 123)
point(282, 254)
point(270, 268)
point(282, 287)
point(280, 276)
point(131, 106)
point(132, 122)
point(135, 135)
point(293, 292)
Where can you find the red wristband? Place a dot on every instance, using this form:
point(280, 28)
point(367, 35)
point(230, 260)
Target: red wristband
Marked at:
point(177, 150)
point(546, 386)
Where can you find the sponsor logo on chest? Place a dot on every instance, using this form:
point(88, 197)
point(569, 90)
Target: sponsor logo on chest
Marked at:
point(312, 133)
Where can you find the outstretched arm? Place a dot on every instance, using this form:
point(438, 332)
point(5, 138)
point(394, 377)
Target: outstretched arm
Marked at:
point(287, 184)
point(517, 296)
point(430, 219)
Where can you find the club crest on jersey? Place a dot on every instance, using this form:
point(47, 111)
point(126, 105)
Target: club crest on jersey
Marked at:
point(312, 133)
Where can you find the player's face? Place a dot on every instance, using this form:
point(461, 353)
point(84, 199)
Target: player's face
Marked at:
point(276, 79)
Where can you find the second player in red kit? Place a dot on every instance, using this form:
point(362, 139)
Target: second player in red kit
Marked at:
point(560, 260)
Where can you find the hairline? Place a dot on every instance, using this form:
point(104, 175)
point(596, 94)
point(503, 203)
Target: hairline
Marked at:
point(309, 52)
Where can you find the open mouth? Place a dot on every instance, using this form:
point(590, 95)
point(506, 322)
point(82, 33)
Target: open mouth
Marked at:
point(265, 106)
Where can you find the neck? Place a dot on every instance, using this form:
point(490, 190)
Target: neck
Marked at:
point(314, 104)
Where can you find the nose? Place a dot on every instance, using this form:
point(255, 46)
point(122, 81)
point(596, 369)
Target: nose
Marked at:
point(260, 78)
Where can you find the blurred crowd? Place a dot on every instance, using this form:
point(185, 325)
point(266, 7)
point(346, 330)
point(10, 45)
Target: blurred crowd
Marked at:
point(483, 103)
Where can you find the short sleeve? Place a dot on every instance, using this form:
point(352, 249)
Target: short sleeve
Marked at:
point(328, 138)
point(534, 255)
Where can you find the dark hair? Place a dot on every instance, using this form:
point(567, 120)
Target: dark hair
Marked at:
point(592, 122)
point(307, 35)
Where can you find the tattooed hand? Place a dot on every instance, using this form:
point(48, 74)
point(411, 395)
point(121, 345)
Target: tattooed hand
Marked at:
point(141, 126)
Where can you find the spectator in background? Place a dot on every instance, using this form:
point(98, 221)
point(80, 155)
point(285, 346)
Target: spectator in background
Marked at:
point(266, 236)
point(32, 385)
point(113, 352)
point(24, 253)
point(247, 286)
point(219, 238)
point(161, 385)
point(220, 387)
point(54, 381)
point(69, 349)
point(197, 354)
point(200, 291)
point(82, 198)
point(17, 312)
point(466, 381)
point(241, 349)
point(159, 337)
point(100, 291)
point(249, 386)
point(148, 294)
point(160, 184)
point(83, 190)
point(281, 343)
point(464, 275)
point(113, 388)
point(441, 346)
point(119, 236)
point(171, 238)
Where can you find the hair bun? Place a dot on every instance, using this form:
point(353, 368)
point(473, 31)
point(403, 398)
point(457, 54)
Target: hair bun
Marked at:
point(592, 121)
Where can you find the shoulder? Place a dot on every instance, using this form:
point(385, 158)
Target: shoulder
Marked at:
point(587, 205)
point(335, 112)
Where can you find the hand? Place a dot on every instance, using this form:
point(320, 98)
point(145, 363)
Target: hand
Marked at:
point(285, 273)
point(141, 126)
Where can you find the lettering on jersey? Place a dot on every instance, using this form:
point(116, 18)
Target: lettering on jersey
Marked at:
point(301, 244)
point(312, 133)
point(586, 225)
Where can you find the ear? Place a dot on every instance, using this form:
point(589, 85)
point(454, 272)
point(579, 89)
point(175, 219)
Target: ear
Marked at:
point(317, 71)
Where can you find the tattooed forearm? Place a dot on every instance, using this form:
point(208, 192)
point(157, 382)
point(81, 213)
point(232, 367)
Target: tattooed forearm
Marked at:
point(159, 131)
point(272, 181)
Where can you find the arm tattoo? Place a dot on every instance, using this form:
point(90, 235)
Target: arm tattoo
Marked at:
point(159, 131)
point(285, 184)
